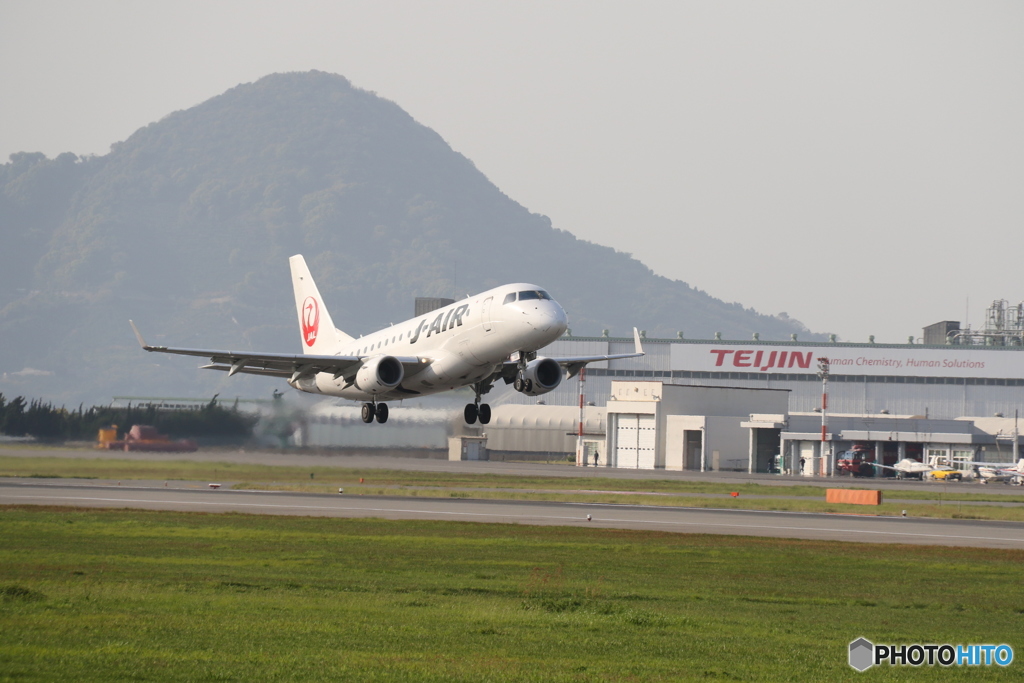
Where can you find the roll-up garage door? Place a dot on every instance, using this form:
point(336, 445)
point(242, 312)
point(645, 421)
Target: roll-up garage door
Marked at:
point(626, 440)
point(645, 442)
point(635, 438)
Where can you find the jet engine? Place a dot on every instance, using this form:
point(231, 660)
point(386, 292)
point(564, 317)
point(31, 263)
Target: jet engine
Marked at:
point(380, 374)
point(544, 374)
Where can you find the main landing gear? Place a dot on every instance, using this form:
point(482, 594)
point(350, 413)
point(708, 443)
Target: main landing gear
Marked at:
point(372, 410)
point(476, 410)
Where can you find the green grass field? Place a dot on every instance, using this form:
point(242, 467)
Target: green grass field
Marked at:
point(113, 595)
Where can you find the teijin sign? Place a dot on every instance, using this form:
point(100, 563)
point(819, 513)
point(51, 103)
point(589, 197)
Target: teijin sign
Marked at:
point(909, 361)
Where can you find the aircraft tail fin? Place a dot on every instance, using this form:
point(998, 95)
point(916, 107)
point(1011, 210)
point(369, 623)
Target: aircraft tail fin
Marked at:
point(319, 335)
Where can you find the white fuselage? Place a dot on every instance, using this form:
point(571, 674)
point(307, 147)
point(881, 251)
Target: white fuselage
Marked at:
point(459, 344)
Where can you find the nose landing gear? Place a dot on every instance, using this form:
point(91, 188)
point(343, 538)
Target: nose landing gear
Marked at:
point(521, 383)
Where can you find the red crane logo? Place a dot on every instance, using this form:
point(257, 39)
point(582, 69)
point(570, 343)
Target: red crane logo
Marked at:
point(310, 320)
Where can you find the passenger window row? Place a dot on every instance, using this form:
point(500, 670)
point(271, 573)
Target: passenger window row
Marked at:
point(372, 347)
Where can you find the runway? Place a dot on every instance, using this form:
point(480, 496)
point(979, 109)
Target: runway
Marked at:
point(859, 528)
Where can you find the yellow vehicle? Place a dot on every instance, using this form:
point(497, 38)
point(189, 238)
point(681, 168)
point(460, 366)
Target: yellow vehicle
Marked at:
point(947, 475)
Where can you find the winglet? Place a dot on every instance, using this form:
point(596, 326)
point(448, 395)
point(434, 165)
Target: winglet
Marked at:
point(138, 335)
point(636, 340)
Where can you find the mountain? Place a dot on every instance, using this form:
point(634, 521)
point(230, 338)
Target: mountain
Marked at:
point(186, 227)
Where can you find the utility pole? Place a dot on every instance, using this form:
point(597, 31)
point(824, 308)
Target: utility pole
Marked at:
point(823, 374)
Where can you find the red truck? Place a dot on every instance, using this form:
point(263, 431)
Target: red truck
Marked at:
point(143, 438)
point(857, 462)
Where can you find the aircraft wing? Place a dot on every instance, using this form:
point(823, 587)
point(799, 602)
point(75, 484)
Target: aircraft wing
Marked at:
point(919, 468)
point(1003, 468)
point(902, 470)
point(1008, 466)
point(576, 363)
point(287, 366)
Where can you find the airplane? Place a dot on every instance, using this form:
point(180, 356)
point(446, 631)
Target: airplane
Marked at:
point(908, 468)
point(475, 342)
point(995, 472)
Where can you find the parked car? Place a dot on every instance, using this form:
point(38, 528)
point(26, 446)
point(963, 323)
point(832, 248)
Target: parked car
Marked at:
point(947, 475)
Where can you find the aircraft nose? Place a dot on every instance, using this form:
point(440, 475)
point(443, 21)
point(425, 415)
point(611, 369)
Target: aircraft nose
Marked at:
point(553, 320)
point(561, 321)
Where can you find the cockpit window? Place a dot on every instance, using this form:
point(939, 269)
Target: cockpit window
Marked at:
point(509, 298)
point(534, 294)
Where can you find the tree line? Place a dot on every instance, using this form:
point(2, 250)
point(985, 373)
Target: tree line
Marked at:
point(42, 420)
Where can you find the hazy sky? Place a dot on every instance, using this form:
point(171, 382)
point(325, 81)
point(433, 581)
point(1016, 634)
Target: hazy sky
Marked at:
point(859, 165)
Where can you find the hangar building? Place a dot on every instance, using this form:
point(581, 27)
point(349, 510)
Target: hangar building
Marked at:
point(955, 397)
point(940, 381)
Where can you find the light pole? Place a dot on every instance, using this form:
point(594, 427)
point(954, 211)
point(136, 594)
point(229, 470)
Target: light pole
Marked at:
point(823, 374)
point(581, 456)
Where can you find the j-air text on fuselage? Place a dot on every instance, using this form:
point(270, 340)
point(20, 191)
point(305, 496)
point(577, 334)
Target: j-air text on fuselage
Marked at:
point(474, 342)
